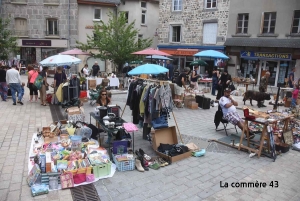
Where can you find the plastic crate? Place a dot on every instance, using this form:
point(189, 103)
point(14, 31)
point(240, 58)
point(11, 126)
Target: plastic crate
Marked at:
point(102, 170)
point(124, 165)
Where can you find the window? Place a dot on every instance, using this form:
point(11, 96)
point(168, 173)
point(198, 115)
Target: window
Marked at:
point(242, 23)
point(20, 27)
point(177, 5)
point(296, 22)
point(269, 22)
point(209, 4)
point(52, 27)
point(210, 33)
point(143, 17)
point(126, 13)
point(175, 34)
point(143, 4)
point(97, 14)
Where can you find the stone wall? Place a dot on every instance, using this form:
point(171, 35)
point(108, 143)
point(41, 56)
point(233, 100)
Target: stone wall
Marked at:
point(36, 13)
point(191, 18)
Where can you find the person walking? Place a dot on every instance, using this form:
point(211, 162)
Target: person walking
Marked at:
point(14, 82)
point(95, 69)
point(3, 85)
point(32, 75)
point(44, 86)
point(291, 78)
point(263, 86)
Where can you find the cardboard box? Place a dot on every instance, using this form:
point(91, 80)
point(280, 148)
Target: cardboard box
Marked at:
point(48, 139)
point(288, 102)
point(74, 110)
point(92, 83)
point(193, 105)
point(188, 99)
point(167, 136)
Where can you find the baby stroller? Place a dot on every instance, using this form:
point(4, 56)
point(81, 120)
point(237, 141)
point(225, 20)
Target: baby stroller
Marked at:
point(94, 94)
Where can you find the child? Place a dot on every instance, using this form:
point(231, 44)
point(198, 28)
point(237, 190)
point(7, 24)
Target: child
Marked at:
point(295, 96)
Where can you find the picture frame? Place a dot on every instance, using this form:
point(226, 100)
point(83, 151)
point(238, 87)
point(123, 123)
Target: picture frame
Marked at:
point(288, 137)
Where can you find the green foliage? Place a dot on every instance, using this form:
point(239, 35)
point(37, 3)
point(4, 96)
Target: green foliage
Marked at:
point(115, 40)
point(8, 43)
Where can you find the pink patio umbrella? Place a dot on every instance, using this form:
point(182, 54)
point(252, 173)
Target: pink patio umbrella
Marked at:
point(150, 52)
point(75, 51)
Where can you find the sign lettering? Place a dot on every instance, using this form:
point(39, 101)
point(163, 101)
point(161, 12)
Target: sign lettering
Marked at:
point(181, 52)
point(266, 55)
point(36, 42)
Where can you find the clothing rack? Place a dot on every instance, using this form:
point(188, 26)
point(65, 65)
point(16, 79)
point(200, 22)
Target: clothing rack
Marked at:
point(161, 82)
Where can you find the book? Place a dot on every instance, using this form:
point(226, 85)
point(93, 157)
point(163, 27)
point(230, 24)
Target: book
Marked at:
point(33, 174)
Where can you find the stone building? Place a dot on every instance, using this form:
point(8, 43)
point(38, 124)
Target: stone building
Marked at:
point(264, 35)
point(43, 27)
point(189, 26)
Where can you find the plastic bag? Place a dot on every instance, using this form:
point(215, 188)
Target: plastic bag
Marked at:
point(85, 132)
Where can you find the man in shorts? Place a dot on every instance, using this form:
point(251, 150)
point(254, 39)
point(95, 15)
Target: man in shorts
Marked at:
point(228, 106)
point(180, 84)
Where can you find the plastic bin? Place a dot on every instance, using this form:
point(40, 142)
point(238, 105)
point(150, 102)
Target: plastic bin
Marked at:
point(102, 170)
point(76, 142)
point(124, 165)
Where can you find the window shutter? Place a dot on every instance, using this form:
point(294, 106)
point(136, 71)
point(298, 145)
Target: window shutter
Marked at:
point(179, 4)
point(210, 33)
point(171, 34)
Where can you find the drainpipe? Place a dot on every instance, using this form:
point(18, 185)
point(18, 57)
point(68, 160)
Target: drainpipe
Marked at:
point(69, 13)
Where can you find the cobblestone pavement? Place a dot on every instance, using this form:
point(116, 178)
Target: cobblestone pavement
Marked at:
point(189, 179)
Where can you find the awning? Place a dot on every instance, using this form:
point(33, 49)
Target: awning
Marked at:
point(263, 42)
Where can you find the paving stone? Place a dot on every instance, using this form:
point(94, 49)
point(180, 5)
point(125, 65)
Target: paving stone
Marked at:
point(13, 195)
point(205, 194)
point(3, 193)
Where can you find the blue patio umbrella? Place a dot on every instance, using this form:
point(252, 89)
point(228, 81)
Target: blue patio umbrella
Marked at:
point(212, 54)
point(148, 69)
point(158, 57)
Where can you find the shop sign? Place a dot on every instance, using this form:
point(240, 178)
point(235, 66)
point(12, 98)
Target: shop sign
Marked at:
point(266, 55)
point(181, 52)
point(36, 42)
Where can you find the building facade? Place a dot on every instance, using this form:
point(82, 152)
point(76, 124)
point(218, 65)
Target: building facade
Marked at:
point(264, 35)
point(43, 27)
point(90, 12)
point(189, 26)
point(146, 16)
point(144, 13)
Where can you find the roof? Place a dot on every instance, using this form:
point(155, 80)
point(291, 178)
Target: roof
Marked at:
point(100, 1)
point(263, 42)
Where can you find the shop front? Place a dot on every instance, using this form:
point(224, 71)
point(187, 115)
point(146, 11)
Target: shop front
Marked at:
point(34, 50)
point(255, 64)
point(183, 55)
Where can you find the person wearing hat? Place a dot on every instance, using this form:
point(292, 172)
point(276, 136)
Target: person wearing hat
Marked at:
point(228, 106)
point(180, 84)
point(96, 69)
point(32, 75)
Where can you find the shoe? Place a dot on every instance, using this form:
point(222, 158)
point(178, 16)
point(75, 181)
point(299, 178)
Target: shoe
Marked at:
point(138, 165)
point(148, 158)
point(263, 106)
point(154, 165)
point(20, 102)
point(199, 153)
point(163, 162)
point(14, 104)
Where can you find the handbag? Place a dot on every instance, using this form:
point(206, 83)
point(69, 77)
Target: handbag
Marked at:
point(66, 180)
point(79, 178)
point(90, 177)
point(160, 122)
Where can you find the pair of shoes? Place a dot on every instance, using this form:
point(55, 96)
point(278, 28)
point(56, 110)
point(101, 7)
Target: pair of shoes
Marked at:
point(139, 166)
point(147, 157)
point(20, 102)
point(14, 104)
point(199, 153)
point(141, 159)
point(162, 162)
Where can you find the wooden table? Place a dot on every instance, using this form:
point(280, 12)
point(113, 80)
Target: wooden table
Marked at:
point(264, 134)
point(246, 84)
point(205, 81)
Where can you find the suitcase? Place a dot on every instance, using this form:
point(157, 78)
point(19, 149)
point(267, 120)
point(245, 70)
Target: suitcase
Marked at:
point(203, 102)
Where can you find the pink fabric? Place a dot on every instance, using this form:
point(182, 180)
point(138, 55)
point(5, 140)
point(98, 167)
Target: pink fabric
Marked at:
point(295, 93)
point(130, 127)
point(33, 75)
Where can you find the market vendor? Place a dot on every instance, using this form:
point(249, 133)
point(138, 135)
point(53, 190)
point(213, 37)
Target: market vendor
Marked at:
point(228, 106)
point(103, 99)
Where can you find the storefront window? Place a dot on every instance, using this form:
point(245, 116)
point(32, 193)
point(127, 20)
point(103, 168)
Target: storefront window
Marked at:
point(28, 54)
point(284, 70)
point(248, 69)
point(47, 52)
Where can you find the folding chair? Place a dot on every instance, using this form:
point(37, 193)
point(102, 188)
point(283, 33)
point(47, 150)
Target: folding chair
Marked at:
point(219, 116)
